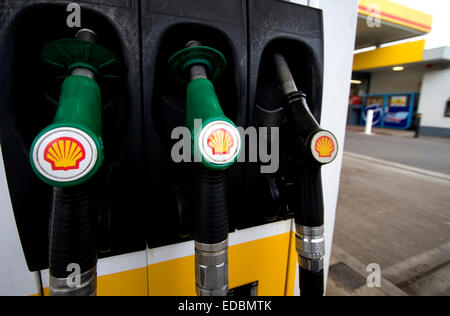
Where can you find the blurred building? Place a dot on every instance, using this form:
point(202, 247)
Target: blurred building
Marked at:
point(399, 81)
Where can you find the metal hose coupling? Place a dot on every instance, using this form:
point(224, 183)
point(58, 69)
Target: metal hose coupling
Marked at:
point(211, 264)
point(77, 285)
point(310, 247)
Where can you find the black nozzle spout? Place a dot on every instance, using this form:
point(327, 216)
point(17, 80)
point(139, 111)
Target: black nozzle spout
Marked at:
point(284, 73)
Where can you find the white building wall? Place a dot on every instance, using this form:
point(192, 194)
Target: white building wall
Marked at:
point(406, 81)
point(434, 97)
point(340, 20)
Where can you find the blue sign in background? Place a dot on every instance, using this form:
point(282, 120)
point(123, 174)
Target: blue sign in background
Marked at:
point(394, 111)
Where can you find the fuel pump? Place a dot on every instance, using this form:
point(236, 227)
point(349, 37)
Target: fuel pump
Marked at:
point(314, 147)
point(67, 154)
point(216, 144)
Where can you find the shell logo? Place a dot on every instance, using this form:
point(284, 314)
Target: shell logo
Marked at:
point(221, 142)
point(64, 153)
point(324, 146)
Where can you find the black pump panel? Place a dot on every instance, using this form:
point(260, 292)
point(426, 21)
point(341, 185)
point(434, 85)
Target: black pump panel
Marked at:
point(296, 32)
point(166, 28)
point(143, 197)
point(28, 102)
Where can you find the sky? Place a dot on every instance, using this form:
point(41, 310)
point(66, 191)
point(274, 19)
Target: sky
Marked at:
point(440, 9)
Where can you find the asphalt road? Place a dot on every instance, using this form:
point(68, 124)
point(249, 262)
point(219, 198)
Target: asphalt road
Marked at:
point(394, 215)
point(396, 218)
point(428, 153)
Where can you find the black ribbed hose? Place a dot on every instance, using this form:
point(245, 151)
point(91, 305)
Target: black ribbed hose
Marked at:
point(311, 283)
point(72, 232)
point(310, 214)
point(211, 220)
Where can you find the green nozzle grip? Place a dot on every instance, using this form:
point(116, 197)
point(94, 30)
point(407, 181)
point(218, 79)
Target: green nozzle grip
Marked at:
point(70, 151)
point(203, 104)
point(80, 104)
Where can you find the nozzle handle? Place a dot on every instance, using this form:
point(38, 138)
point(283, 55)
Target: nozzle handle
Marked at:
point(309, 202)
point(70, 150)
point(218, 143)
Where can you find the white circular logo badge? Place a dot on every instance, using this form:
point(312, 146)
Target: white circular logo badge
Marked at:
point(65, 154)
point(324, 147)
point(219, 142)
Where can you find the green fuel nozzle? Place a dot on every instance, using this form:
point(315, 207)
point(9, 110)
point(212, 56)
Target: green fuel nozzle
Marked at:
point(70, 151)
point(218, 141)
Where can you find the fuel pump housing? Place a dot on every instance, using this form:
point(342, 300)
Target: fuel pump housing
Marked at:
point(29, 98)
point(146, 201)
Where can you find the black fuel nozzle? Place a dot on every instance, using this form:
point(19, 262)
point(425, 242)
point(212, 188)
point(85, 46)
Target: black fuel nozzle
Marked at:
point(314, 147)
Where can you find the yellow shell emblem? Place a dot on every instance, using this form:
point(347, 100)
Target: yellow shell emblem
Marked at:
point(325, 146)
point(64, 153)
point(221, 142)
